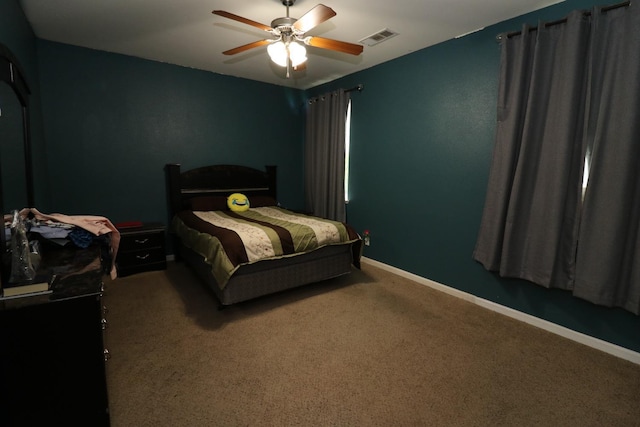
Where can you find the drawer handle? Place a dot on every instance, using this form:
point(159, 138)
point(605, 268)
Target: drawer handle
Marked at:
point(142, 257)
point(105, 324)
point(107, 355)
point(141, 241)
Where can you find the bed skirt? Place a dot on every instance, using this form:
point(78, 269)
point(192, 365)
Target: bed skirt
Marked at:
point(270, 276)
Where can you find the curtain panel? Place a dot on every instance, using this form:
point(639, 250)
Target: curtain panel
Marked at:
point(562, 208)
point(325, 155)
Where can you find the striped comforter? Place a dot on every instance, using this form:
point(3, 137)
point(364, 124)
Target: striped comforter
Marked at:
point(229, 239)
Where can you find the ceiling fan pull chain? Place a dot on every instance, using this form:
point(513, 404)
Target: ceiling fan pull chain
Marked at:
point(288, 61)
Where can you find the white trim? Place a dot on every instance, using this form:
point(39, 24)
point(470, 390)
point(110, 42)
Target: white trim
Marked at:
point(598, 344)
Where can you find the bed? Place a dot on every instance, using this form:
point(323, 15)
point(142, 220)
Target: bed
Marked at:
point(202, 226)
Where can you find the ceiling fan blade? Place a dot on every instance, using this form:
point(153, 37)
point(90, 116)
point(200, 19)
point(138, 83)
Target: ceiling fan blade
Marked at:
point(243, 20)
point(314, 17)
point(321, 42)
point(246, 47)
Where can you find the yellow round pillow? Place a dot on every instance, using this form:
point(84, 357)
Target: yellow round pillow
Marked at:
point(238, 202)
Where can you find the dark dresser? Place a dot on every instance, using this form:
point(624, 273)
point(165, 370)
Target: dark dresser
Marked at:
point(52, 353)
point(141, 249)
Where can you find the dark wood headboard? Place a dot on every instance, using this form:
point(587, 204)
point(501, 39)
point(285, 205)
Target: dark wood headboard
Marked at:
point(217, 180)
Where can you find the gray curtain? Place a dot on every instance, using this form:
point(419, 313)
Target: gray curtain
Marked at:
point(568, 100)
point(325, 155)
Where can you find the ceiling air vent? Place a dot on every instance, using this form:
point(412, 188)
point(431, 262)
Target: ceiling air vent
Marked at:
point(378, 37)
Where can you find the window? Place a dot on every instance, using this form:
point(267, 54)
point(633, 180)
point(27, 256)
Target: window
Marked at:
point(561, 207)
point(347, 148)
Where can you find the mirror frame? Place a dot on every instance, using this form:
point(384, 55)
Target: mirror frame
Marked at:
point(11, 73)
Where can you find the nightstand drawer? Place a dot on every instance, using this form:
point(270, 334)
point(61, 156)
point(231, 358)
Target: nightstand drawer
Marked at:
point(142, 240)
point(146, 256)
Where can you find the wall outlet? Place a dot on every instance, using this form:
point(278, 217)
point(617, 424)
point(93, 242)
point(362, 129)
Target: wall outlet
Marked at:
point(366, 238)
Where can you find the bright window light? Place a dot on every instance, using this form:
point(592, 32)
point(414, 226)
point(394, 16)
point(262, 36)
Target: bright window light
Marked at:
point(347, 149)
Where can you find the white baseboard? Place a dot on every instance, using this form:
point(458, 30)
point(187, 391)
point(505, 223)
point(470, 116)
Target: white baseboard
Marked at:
point(607, 347)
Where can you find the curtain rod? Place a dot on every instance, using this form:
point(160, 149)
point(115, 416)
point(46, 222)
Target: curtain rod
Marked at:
point(358, 88)
point(604, 9)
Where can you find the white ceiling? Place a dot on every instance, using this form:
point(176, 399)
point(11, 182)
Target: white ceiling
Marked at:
point(185, 32)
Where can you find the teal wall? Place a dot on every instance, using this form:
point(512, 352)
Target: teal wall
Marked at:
point(16, 34)
point(113, 121)
point(422, 138)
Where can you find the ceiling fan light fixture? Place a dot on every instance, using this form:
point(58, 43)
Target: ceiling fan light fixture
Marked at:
point(279, 53)
point(287, 48)
point(297, 53)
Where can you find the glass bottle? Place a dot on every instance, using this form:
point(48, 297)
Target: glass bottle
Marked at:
point(21, 267)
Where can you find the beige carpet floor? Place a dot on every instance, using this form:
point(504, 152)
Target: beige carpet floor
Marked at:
point(368, 349)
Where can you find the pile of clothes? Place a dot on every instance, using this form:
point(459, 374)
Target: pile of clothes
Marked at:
point(80, 230)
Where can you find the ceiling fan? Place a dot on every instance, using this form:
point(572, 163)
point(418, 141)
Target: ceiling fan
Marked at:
point(287, 47)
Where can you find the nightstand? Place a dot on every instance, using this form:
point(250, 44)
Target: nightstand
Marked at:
point(141, 249)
